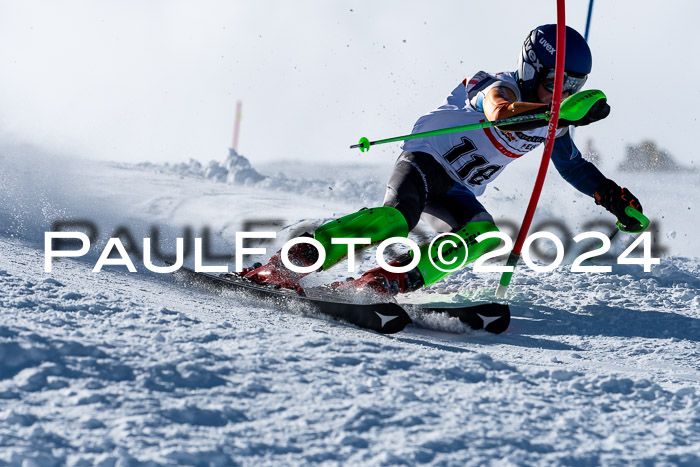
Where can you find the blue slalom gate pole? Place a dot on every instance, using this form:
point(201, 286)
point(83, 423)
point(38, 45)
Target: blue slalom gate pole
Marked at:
point(588, 20)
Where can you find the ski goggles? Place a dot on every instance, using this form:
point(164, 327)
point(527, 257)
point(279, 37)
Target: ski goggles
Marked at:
point(572, 82)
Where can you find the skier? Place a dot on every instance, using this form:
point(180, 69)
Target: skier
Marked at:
point(439, 178)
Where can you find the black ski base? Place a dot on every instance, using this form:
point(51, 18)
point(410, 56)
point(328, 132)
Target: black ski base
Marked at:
point(385, 318)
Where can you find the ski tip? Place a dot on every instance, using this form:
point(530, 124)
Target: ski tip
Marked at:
point(491, 317)
point(498, 321)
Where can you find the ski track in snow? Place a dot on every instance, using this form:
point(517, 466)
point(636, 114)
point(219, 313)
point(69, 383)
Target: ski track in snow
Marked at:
point(114, 368)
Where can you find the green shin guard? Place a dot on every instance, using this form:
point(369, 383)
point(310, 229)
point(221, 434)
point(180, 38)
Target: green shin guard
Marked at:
point(455, 256)
point(377, 224)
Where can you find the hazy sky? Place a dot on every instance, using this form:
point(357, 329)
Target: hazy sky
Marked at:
point(158, 80)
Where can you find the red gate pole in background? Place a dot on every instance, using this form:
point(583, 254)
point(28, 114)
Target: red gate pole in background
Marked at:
point(237, 126)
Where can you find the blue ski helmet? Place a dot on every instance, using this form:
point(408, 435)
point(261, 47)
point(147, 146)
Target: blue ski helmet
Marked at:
point(537, 60)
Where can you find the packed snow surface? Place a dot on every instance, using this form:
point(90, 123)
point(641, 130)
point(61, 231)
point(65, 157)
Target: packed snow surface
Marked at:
point(119, 368)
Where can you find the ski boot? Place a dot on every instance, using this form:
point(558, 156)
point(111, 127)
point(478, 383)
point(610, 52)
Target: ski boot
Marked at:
point(384, 284)
point(276, 274)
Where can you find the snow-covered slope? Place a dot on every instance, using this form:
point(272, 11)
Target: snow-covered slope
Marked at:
point(116, 368)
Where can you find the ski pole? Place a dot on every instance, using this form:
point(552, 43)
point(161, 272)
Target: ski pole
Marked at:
point(632, 212)
point(573, 108)
point(364, 143)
